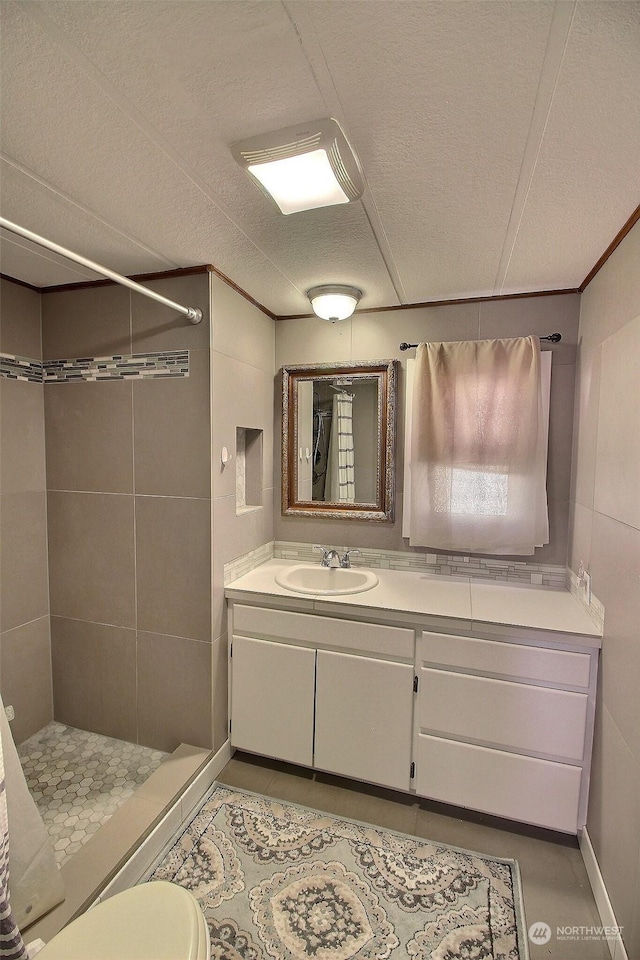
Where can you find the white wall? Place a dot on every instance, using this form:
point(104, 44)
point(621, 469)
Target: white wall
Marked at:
point(375, 336)
point(242, 365)
point(605, 534)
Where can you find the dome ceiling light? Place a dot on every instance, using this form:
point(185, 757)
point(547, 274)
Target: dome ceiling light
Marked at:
point(334, 301)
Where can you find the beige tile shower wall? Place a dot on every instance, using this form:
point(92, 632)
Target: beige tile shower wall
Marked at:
point(370, 336)
point(242, 396)
point(605, 535)
point(25, 645)
point(129, 498)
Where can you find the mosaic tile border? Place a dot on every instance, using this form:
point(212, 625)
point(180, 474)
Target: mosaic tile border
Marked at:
point(167, 363)
point(484, 568)
point(151, 366)
point(13, 367)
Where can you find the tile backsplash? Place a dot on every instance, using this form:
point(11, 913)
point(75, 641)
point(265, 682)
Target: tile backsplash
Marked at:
point(486, 568)
point(248, 562)
point(508, 571)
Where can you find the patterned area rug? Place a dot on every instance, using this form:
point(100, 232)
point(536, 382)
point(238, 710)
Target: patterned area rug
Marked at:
point(284, 882)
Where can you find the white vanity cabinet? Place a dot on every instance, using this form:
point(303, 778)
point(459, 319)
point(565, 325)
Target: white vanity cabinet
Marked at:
point(323, 692)
point(485, 715)
point(505, 727)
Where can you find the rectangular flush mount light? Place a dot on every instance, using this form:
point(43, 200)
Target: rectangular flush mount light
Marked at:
point(302, 167)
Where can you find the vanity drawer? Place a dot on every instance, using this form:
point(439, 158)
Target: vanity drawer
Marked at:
point(520, 660)
point(513, 715)
point(397, 642)
point(541, 792)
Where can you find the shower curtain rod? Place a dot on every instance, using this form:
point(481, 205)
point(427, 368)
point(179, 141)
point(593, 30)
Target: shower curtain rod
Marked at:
point(194, 314)
point(554, 337)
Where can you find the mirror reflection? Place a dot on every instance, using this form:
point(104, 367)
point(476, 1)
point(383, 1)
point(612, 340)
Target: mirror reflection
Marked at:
point(337, 433)
point(337, 439)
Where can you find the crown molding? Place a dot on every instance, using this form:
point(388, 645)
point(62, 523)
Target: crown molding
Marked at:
point(209, 268)
point(162, 275)
point(22, 283)
point(444, 303)
point(617, 240)
point(243, 293)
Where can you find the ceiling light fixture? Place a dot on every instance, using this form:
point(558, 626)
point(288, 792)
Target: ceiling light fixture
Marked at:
point(303, 167)
point(334, 301)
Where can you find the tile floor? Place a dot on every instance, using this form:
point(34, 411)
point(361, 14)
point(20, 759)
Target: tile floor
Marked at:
point(555, 884)
point(79, 779)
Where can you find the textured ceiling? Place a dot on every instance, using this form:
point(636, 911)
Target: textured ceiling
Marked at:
point(499, 140)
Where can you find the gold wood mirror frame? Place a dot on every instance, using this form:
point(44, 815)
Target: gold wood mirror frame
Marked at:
point(306, 420)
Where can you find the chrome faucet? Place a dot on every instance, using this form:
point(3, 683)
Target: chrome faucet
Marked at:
point(345, 561)
point(328, 556)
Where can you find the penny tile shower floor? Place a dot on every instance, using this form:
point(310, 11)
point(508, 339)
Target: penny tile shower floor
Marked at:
point(79, 779)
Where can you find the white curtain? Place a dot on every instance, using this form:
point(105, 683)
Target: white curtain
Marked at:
point(341, 482)
point(478, 447)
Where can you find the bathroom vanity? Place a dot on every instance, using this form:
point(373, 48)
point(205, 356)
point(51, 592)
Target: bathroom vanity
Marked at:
point(474, 694)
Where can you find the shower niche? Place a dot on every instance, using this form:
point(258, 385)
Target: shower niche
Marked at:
point(338, 440)
point(248, 469)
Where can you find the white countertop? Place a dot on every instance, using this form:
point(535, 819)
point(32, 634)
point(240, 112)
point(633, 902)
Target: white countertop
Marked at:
point(431, 595)
point(526, 606)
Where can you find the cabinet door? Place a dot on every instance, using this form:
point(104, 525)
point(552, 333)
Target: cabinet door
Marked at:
point(272, 686)
point(363, 718)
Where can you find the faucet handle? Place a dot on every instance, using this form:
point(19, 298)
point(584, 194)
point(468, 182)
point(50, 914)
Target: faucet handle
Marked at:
point(346, 559)
point(325, 553)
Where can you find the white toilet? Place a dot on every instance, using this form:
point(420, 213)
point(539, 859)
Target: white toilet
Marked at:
point(153, 921)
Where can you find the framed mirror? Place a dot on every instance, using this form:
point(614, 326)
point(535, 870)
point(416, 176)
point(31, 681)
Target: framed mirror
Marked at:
point(338, 440)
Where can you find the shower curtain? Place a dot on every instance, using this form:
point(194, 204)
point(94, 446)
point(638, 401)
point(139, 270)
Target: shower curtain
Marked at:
point(30, 876)
point(341, 485)
point(11, 943)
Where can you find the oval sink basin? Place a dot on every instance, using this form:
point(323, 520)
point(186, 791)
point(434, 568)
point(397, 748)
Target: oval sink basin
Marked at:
point(326, 581)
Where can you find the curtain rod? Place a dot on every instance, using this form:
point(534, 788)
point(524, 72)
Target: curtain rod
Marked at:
point(553, 337)
point(194, 314)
